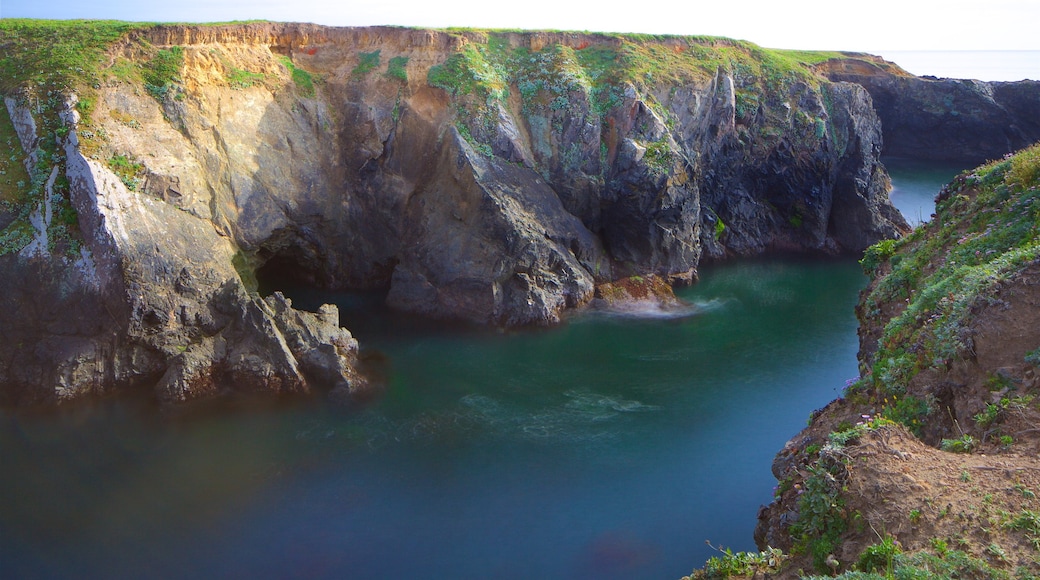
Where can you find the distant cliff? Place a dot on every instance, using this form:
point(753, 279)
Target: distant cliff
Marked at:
point(495, 177)
point(945, 119)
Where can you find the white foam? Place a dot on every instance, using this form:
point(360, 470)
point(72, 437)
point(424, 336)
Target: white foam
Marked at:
point(655, 310)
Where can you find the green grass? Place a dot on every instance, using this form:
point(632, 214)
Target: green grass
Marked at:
point(162, 70)
point(592, 72)
point(57, 54)
point(243, 79)
point(730, 563)
point(14, 179)
point(367, 62)
point(395, 69)
point(128, 169)
point(302, 79)
point(923, 565)
point(987, 229)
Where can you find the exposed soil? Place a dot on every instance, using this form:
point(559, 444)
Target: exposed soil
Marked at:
point(897, 484)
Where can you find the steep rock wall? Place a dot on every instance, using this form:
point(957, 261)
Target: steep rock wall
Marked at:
point(946, 119)
point(491, 177)
point(149, 297)
point(339, 182)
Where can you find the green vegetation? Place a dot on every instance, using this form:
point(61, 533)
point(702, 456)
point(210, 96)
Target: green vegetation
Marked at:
point(302, 79)
point(482, 148)
point(922, 565)
point(23, 196)
point(246, 270)
point(367, 62)
point(162, 70)
point(41, 61)
point(471, 72)
point(395, 69)
point(907, 410)
point(1033, 357)
point(659, 156)
point(963, 444)
point(741, 564)
point(243, 79)
point(1025, 521)
point(987, 229)
point(877, 255)
point(128, 170)
point(14, 179)
point(55, 54)
point(821, 512)
point(590, 78)
point(994, 412)
point(879, 557)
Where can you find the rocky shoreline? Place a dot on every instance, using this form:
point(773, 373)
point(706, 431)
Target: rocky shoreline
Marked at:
point(503, 178)
point(927, 467)
point(494, 177)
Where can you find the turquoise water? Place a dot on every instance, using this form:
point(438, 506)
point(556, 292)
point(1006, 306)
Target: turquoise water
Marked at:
point(612, 446)
point(915, 185)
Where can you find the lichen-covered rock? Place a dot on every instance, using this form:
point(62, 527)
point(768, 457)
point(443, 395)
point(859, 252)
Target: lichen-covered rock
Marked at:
point(652, 289)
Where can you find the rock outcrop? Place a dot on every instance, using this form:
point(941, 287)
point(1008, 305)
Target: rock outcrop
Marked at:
point(938, 437)
point(945, 119)
point(150, 296)
point(492, 177)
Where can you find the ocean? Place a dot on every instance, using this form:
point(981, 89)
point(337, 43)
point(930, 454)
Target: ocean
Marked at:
point(983, 65)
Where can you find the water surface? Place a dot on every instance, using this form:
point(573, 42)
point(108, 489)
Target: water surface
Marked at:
point(916, 183)
point(983, 65)
point(612, 446)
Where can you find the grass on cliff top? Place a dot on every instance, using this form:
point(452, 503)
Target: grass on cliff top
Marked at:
point(56, 54)
point(649, 58)
point(489, 65)
point(986, 230)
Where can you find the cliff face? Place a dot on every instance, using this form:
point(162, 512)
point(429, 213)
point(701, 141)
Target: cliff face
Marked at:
point(147, 294)
point(474, 174)
point(945, 119)
point(492, 177)
point(944, 414)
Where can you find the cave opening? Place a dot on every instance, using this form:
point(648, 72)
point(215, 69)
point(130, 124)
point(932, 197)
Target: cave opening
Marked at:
point(363, 310)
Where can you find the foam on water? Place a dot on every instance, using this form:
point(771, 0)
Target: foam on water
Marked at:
point(654, 310)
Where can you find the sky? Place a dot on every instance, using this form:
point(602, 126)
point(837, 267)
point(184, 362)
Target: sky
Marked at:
point(877, 27)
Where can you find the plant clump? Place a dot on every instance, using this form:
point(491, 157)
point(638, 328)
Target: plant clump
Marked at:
point(162, 71)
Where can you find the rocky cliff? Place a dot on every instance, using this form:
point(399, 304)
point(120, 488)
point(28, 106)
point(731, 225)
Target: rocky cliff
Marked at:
point(945, 119)
point(495, 177)
point(928, 463)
